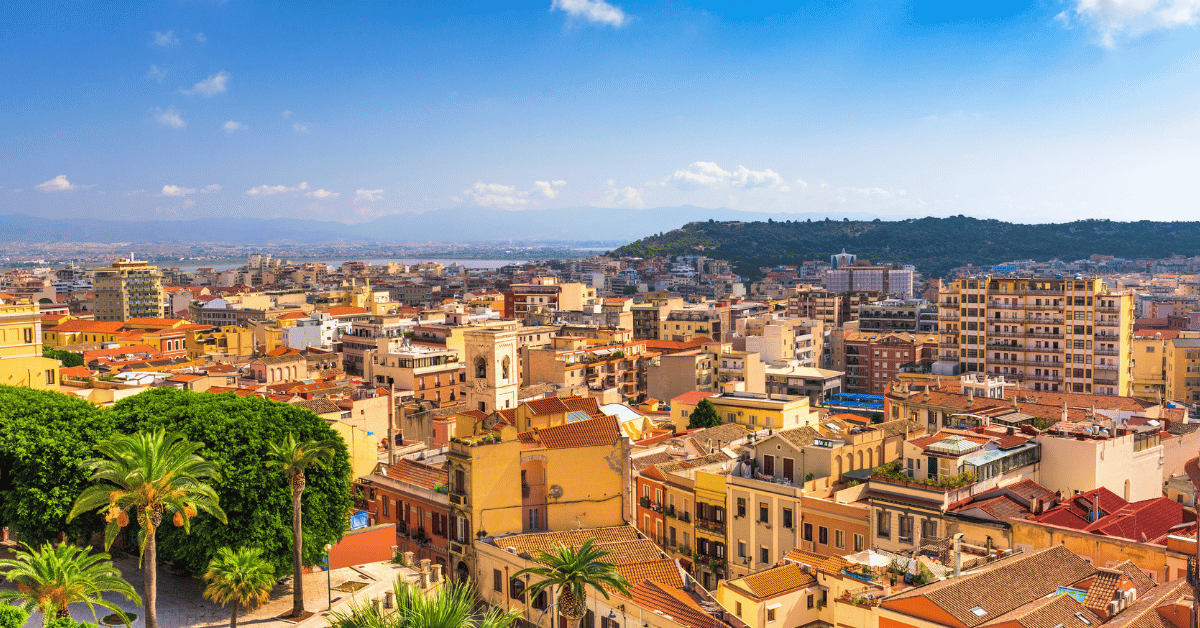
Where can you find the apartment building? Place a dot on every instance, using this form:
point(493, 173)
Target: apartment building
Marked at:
point(666, 497)
point(791, 377)
point(413, 495)
point(129, 289)
point(674, 374)
point(833, 308)
point(882, 279)
point(575, 361)
point(1046, 333)
point(685, 324)
point(1183, 370)
point(874, 360)
point(753, 410)
point(546, 292)
point(912, 315)
point(21, 361)
point(432, 374)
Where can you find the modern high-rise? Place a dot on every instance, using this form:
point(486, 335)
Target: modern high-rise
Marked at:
point(1047, 333)
point(129, 289)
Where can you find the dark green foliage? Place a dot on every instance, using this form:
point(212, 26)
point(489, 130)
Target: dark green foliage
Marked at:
point(12, 617)
point(256, 498)
point(877, 417)
point(44, 437)
point(67, 622)
point(934, 245)
point(705, 415)
point(66, 357)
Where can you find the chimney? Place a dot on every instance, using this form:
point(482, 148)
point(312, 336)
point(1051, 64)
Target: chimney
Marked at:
point(958, 554)
point(1037, 506)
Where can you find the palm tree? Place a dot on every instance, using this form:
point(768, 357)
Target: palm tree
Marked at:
point(153, 475)
point(450, 606)
point(240, 578)
point(293, 458)
point(573, 571)
point(51, 578)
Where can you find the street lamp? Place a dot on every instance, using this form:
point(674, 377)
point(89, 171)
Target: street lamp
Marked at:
point(328, 579)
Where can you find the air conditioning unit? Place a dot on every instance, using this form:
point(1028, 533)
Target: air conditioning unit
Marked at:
point(1114, 607)
point(511, 550)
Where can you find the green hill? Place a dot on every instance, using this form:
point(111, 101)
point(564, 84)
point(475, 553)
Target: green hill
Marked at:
point(933, 245)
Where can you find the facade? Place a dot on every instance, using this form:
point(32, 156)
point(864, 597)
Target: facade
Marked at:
point(1183, 370)
point(874, 360)
point(674, 374)
point(431, 374)
point(753, 410)
point(412, 495)
point(546, 292)
point(912, 315)
point(1047, 333)
point(574, 361)
point(129, 289)
point(684, 324)
point(21, 361)
point(790, 377)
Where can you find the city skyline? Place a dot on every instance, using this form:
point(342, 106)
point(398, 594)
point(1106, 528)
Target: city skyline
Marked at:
point(1036, 112)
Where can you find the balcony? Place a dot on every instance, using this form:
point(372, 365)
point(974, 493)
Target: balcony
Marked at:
point(1107, 352)
point(715, 527)
point(1104, 381)
point(1042, 378)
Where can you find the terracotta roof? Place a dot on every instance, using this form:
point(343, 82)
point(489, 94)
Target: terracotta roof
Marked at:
point(153, 321)
point(589, 433)
point(81, 372)
point(320, 405)
point(1140, 521)
point(1104, 584)
point(1002, 586)
point(416, 473)
point(777, 581)
point(829, 564)
point(89, 327)
point(583, 404)
point(672, 602)
point(1152, 606)
point(281, 350)
point(645, 462)
point(663, 571)
point(1049, 612)
point(1141, 581)
point(547, 405)
point(692, 397)
point(629, 546)
point(185, 377)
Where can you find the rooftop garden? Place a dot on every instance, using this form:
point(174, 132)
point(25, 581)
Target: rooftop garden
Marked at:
point(893, 472)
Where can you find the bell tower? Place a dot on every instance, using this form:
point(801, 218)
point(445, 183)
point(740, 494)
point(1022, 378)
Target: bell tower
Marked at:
point(491, 361)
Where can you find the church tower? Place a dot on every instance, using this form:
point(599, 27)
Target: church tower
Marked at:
point(492, 377)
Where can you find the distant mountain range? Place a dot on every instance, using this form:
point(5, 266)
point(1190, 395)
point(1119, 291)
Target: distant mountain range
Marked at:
point(469, 224)
point(933, 245)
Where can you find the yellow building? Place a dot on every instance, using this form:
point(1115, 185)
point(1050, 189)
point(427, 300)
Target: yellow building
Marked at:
point(756, 411)
point(223, 342)
point(558, 478)
point(1048, 333)
point(129, 289)
point(1183, 370)
point(21, 361)
point(77, 331)
point(710, 521)
point(1148, 365)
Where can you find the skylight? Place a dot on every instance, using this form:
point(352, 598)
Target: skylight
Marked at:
point(979, 612)
point(1083, 619)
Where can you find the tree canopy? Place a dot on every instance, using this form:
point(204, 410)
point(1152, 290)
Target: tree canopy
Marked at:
point(705, 415)
point(236, 433)
point(67, 358)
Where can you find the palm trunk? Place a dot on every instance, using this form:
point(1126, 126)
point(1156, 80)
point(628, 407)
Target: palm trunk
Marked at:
point(150, 580)
point(62, 612)
point(233, 616)
point(297, 547)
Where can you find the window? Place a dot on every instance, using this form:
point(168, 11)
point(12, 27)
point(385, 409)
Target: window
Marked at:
point(823, 535)
point(497, 578)
point(839, 539)
point(811, 601)
point(49, 376)
point(883, 524)
point(929, 529)
point(385, 507)
point(859, 543)
point(770, 615)
point(787, 518)
point(978, 611)
point(808, 532)
point(738, 610)
point(764, 555)
point(906, 527)
point(741, 506)
point(763, 513)
point(741, 549)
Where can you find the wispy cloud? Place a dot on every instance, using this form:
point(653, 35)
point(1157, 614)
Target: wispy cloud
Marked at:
point(285, 114)
point(706, 174)
point(209, 189)
point(549, 189)
point(156, 74)
point(1113, 18)
point(57, 184)
point(616, 196)
point(232, 125)
point(268, 190)
point(324, 194)
point(300, 128)
point(175, 190)
point(200, 37)
point(211, 86)
point(165, 39)
point(594, 11)
point(500, 195)
point(368, 195)
point(169, 117)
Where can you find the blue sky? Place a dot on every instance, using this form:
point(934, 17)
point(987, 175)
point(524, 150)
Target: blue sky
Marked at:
point(1032, 111)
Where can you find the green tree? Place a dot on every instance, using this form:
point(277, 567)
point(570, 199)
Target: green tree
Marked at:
point(67, 358)
point(451, 606)
point(12, 617)
point(573, 571)
point(154, 474)
point(240, 578)
point(237, 432)
point(52, 577)
point(292, 458)
point(67, 622)
point(705, 415)
point(44, 439)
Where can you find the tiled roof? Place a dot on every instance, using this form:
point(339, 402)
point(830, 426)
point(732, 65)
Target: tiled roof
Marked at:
point(88, 327)
point(1002, 586)
point(672, 602)
point(645, 462)
point(777, 580)
point(1141, 521)
point(724, 434)
point(664, 571)
point(626, 544)
point(153, 321)
point(1145, 613)
point(320, 405)
point(1141, 581)
point(830, 564)
point(416, 473)
point(1049, 612)
point(692, 397)
point(547, 405)
point(583, 404)
point(81, 372)
point(589, 433)
point(1104, 584)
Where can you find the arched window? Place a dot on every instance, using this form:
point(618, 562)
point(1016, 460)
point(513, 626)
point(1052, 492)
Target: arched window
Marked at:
point(837, 466)
point(504, 369)
point(860, 459)
point(480, 368)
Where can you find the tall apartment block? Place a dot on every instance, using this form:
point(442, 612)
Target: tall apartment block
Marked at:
point(1046, 333)
point(129, 289)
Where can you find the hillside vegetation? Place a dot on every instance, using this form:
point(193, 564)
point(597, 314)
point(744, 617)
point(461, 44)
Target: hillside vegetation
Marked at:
point(933, 245)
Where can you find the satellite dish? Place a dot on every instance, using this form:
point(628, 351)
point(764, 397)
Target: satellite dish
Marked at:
point(555, 491)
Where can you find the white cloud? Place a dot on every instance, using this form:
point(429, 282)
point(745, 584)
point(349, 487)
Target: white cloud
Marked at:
point(57, 184)
point(594, 11)
point(549, 189)
point(323, 194)
point(209, 189)
point(175, 190)
point(268, 190)
point(134, 192)
point(165, 39)
point(877, 192)
point(1111, 18)
point(156, 73)
point(232, 125)
point(368, 195)
point(210, 86)
point(706, 174)
point(615, 196)
point(169, 117)
point(300, 128)
point(201, 38)
point(496, 194)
